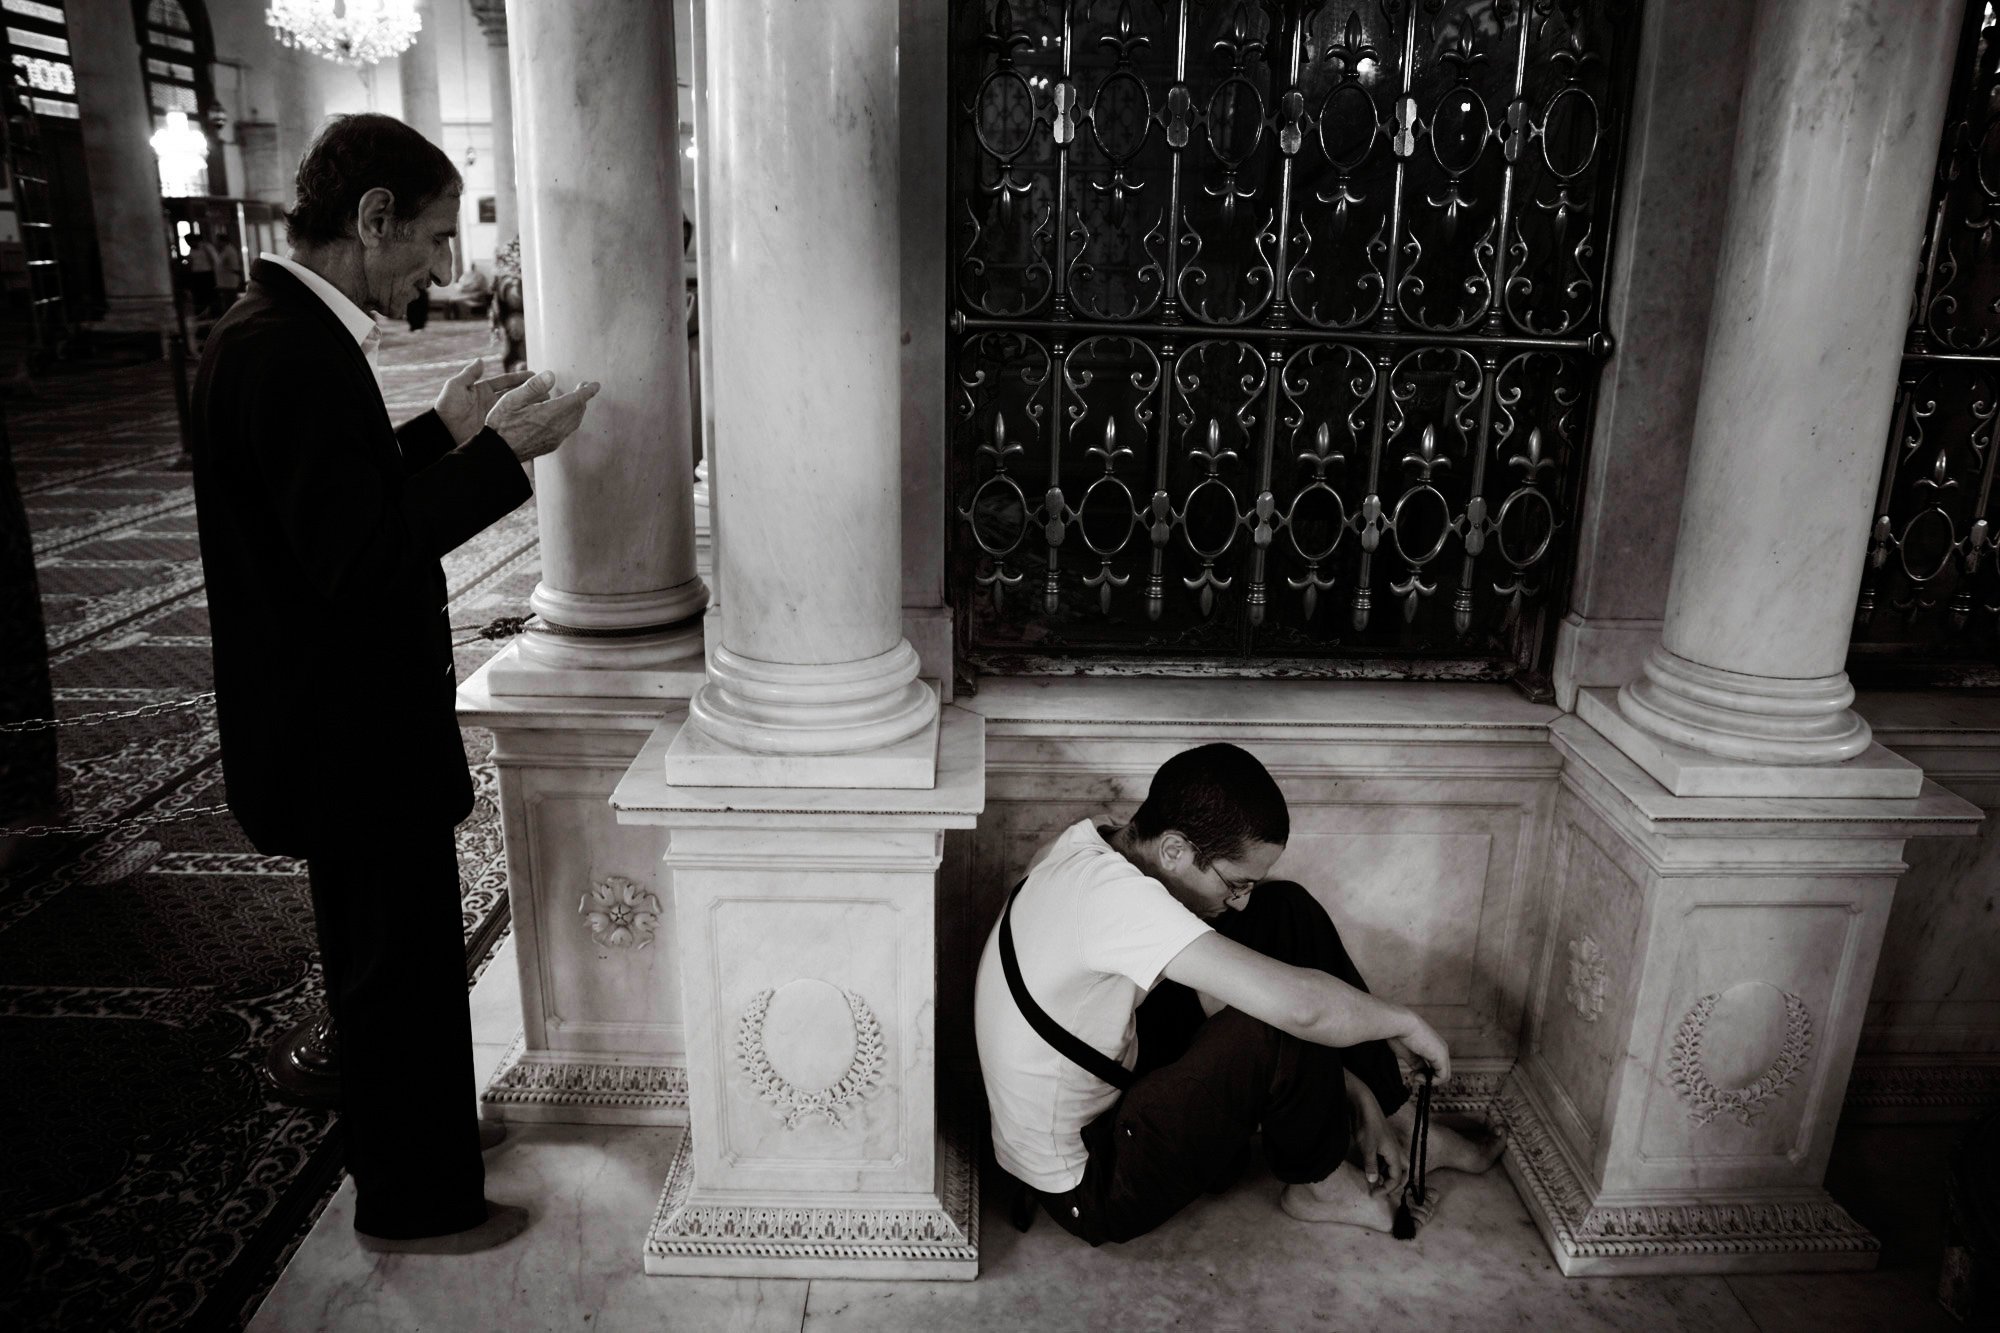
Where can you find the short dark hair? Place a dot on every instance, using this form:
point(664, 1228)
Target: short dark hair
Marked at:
point(353, 155)
point(1218, 797)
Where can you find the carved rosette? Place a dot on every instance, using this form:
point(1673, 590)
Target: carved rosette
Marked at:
point(1705, 1100)
point(620, 914)
point(795, 1103)
point(1586, 978)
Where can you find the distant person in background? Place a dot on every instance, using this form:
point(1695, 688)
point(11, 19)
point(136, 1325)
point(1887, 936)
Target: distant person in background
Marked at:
point(510, 309)
point(228, 270)
point(201, 258)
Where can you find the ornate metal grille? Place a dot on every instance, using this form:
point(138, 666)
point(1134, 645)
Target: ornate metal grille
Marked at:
point(1930, 595)
point(1276, 328)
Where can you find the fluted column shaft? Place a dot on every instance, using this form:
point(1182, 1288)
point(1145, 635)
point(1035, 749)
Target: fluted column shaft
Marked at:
point(117, 124)
point(802, 320)
point(601, 265)
point(1843, 104)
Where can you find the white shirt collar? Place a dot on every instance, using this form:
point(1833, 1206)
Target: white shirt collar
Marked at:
point(352, 317)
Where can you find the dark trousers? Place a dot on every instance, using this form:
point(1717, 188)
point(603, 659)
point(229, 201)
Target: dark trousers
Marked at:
point(393, 948)
point(1207, 1084)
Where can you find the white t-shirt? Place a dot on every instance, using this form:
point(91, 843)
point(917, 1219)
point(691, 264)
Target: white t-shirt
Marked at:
point(1093, 936)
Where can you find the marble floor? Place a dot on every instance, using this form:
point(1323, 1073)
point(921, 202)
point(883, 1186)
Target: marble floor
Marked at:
point(1231, 1262)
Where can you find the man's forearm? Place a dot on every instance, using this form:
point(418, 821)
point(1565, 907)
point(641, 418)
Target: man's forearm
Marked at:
point(1338, 1014)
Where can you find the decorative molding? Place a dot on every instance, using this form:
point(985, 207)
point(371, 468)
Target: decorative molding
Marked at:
point(1467, 1091)
point(1586, 978)
point(794, 1103)
point(1708, 1101)
point(569, 1080)
point(1581, 1231)
point(620, 914)
point(923, 1228)
point(1965, 1086)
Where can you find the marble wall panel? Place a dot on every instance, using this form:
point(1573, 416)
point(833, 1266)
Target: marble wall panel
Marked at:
point(597, 906)
point(1583, 988)
point(1746, 1054)
point(808, 960)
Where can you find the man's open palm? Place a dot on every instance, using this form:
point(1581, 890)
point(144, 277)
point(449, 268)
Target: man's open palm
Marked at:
point(465, 399)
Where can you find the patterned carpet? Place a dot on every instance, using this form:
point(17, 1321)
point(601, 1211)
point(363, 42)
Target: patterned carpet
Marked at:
point(153, 1180)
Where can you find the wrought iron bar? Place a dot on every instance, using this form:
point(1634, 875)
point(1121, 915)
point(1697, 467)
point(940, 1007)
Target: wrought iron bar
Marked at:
point(1598, 345)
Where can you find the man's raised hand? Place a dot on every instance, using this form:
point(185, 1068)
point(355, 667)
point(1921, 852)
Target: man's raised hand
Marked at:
point(533, 420)
point(464, 401)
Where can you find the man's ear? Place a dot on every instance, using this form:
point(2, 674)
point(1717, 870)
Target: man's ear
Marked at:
point(374, 216)
point(1176, 852)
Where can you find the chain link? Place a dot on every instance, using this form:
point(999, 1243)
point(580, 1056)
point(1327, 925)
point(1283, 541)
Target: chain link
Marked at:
point(100, 719)
point(106, 825)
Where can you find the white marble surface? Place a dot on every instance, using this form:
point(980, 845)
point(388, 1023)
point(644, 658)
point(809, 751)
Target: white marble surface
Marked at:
point(801, 322)
point(644, 796)
point(1877, 772)
point(1085, 705)
point(1934, 813)
point(695, 758)
point(1601, 650)
point(596, 92)
point(1843, 103)
point(511, 672)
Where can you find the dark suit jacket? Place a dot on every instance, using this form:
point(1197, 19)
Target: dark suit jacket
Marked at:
point(322, 531)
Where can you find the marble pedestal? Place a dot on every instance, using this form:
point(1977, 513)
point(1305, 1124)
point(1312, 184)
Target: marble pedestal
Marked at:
point(806, 921)
point(1694, 1017)
point(601, 1032)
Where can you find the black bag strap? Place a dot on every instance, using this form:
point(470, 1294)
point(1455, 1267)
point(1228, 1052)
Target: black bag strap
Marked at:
point(1066, 1043)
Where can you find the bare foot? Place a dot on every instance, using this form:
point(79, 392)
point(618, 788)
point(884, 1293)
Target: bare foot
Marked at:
point(1461, 1143)
point(1342, 1197)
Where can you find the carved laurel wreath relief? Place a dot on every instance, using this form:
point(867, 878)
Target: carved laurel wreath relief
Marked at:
point(1586, 978)
point(792, 1102)
point(1706, 1101)
point(620, 914)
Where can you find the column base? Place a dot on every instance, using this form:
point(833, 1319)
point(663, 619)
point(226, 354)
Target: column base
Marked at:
point(515, 672)
point(926, 1237)
point(1686, 771)
point(698, 759)
point(136, 314)
point(572, 1088)
point(1778, 1231)
point(1762, 719)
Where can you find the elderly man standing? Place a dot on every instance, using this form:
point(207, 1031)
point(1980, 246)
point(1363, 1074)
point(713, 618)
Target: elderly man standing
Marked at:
point(322, 535)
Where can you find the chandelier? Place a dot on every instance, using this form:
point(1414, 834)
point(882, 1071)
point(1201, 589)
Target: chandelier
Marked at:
point(347, 32)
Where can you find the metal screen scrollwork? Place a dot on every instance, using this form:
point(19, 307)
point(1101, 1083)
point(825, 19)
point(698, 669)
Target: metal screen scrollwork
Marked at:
point(1276, 327)
point(1929, 611)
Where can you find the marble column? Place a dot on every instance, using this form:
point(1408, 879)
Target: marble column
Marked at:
point(1843, 104)
point(417, 72)
point(492, 16)
point(620, 603)
point(813, 682)
point(117, 127)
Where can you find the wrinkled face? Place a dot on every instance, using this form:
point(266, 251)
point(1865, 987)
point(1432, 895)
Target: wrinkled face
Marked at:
point(1224, 883)
point(403, 259)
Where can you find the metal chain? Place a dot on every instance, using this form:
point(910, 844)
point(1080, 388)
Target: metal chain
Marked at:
point(506, 627)
point(106, 825)
point(99, 719)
